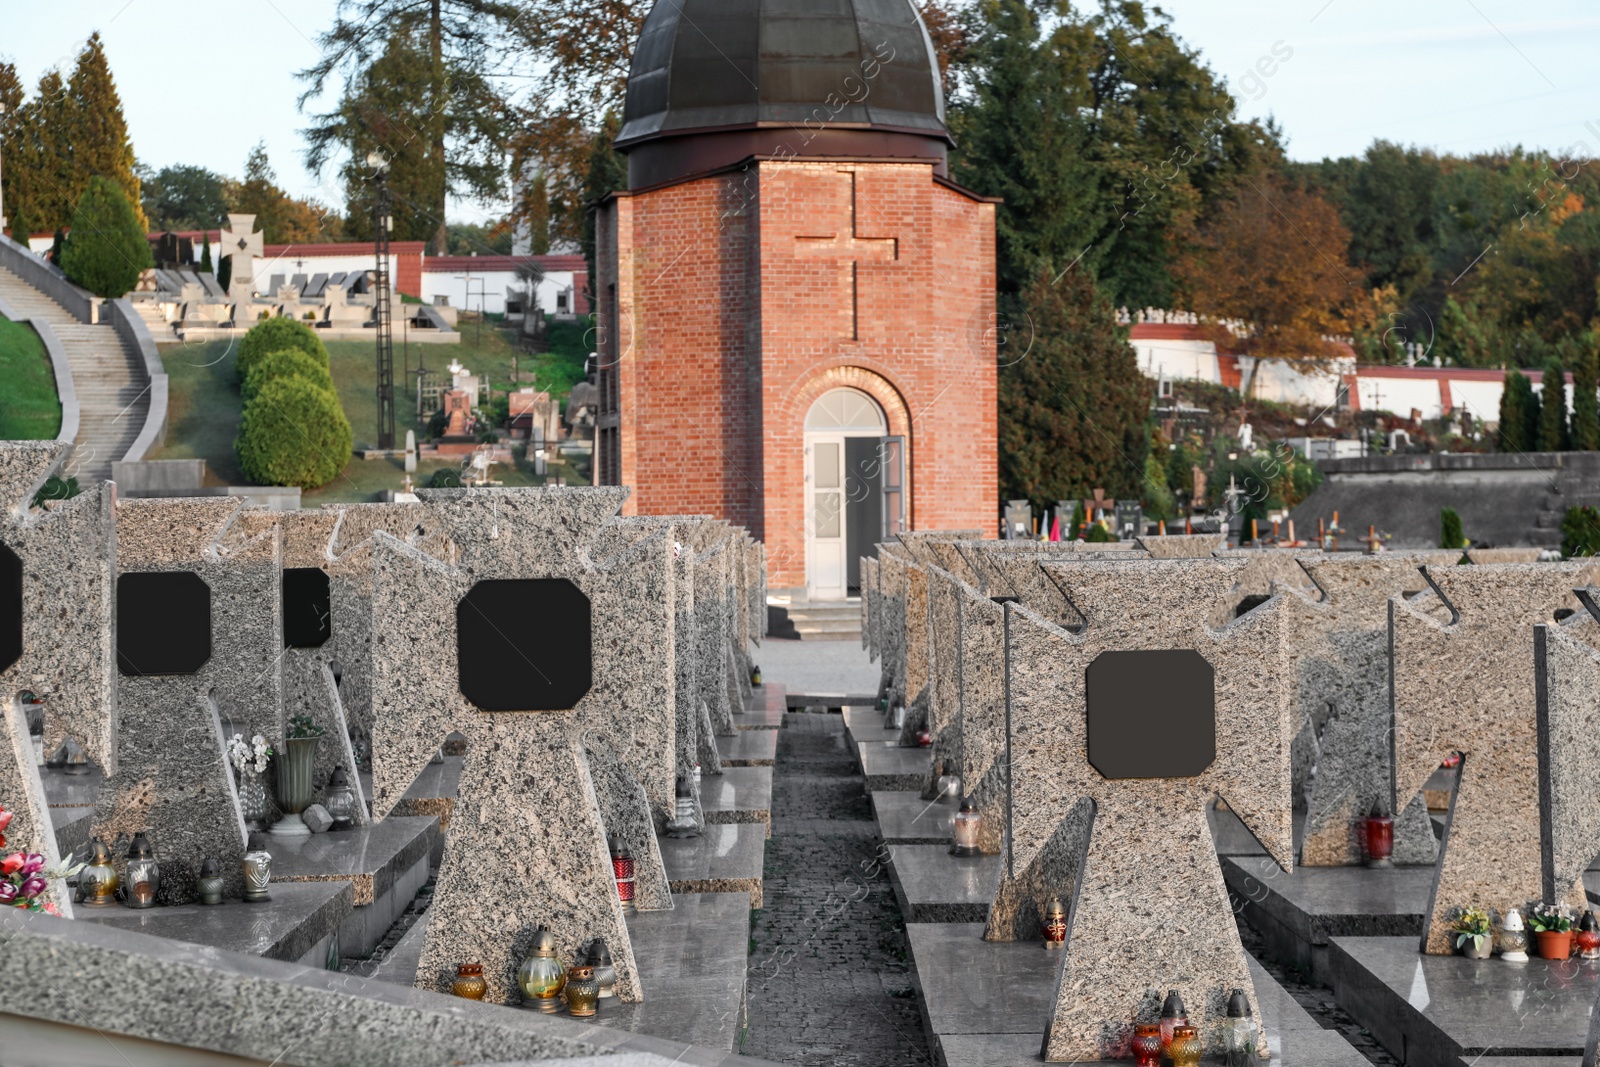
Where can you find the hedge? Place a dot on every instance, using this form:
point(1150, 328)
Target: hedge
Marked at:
point(275, 335)
point(286, 363)
point(294, 433)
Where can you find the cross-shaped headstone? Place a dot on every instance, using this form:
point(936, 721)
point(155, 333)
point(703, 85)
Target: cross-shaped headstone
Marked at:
point(1569, 720)
point(848, 246)
point(56, 585)
point(1468, 686)
point(199, 626)
point(241, 243)
point(1340, 658)
point(1142, 718)
point(509, 640)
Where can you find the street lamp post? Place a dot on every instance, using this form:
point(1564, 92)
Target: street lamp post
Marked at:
point(382, 220)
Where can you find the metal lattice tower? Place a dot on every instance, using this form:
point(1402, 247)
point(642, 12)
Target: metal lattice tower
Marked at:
point(382, 219)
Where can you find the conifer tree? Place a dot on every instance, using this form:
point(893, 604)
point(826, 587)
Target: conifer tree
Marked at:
point(1553, 410)
point(1585, 382)
point(1073, 410)
point(109, 246)
point(1519, 414)
point(97, 133)
point(205, 253)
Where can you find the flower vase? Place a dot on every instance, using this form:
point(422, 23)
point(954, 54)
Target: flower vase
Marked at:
point(295, 793)
point(254, 803)
point(1476, 948)
point(1555, 944)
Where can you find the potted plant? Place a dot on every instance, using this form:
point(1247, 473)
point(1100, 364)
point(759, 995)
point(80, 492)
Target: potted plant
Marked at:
point(1552, 926)
point(1472, 931)
point(295, 765)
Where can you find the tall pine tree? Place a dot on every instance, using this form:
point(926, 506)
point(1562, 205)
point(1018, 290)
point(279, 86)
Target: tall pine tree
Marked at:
point(97, 132)
point(1553, 408)
point(1585, 382)
point(1073, 408)
point(1519, 414)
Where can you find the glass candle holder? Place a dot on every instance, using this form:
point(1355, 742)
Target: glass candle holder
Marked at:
point(1055, 925)
point(1511, 937)
point(623, 871)
point(210, 882)
point(1380, 840)
point(340, 801)
point(583, 992)
point(1173, 1015)
point(143, 879)
point(965, 830)
point(1186, 1046)
point(469, 983)
point(1587, 937)
point(257, 869)
point(542, 976)
point(1239, 1032)
point(1146, 1045)
point(605, 971)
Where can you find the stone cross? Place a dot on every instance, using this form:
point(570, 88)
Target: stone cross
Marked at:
point(240, 242)
point(57, 575)
point(199, 626)
point(1468, 686)
point(1340, 660)
point(512, 641)
point(851, 249)
point(1141, 719)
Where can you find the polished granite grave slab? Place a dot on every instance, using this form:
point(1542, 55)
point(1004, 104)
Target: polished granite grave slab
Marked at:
point(72, 826)
point(933, 886)
point(866, 724)
point(738, 794)
point(433, 793)
point(1297, 914)
point(986, 1004)
point(726, 858)
point(888, 766)
point(764, 710)
point(1431, 1011)
point(1233, 839)
point(386, 863)
point(692, 964)
point(749, 748)
point(300, 924)
point(904, 818)
point(63, 790)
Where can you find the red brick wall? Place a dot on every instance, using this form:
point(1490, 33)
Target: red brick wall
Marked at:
point(735, 314)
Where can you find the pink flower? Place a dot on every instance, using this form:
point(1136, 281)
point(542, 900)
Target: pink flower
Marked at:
point(32, 862)
point(34, 886)
point(51, 909)
point(11, 864)
point(8, 893)
point(5, 819)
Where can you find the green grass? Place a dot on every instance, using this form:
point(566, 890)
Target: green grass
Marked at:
point(205, 409)
point(29, 407)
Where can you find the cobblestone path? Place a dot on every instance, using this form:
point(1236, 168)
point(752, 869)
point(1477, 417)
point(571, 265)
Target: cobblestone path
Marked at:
point(829, 978)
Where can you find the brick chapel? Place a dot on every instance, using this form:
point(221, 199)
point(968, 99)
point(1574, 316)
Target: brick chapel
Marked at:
point(796, 306)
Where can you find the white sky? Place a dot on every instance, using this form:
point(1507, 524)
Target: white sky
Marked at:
point(201, 82)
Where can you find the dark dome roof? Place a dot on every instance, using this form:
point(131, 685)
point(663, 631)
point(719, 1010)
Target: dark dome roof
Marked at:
point(704, 65)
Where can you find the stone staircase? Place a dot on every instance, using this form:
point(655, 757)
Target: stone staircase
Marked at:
point(113, 388)
point(835, 620)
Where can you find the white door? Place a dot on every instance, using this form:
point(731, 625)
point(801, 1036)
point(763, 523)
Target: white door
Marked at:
point(836, 415)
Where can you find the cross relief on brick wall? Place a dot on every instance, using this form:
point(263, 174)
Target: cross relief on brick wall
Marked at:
point(850, 249)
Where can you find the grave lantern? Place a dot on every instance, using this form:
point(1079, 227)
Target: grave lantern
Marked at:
point(210, 884)
point(469, 983)
point(622, 869)
point(144, 873)
point(1147, 1045)
point(967, 825)
point(99, 881)
point(583, 992)
point(341, 799)
point(1173, 1015)
point(1511, 937)
point(682, 823)
point(1055, 925)
point(542, 975)
point(1588, 936)
point(257, 869)
point(605, 972)
point(1239, 1031)
point(1379, 828)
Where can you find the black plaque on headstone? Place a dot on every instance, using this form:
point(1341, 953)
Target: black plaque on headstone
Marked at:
point(163, 623)
point(1151, 714)
point(523, 644)
point(10, 607)
point(307, 607)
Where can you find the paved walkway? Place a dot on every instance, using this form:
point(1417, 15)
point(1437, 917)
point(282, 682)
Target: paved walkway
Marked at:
point(817, 666)
point(112, 387)
point(829, 982)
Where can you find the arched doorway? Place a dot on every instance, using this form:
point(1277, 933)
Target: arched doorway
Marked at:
point(853, 489)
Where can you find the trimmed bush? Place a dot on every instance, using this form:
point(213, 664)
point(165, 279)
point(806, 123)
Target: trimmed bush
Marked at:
point(108, 250)
point(294, 433)
point(275, 335)
point(1580, 532)
point(1451, 534)
point(287, 363)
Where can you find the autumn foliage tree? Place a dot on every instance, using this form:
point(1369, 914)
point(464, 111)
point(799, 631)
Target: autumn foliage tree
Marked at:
point(1273, 265)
